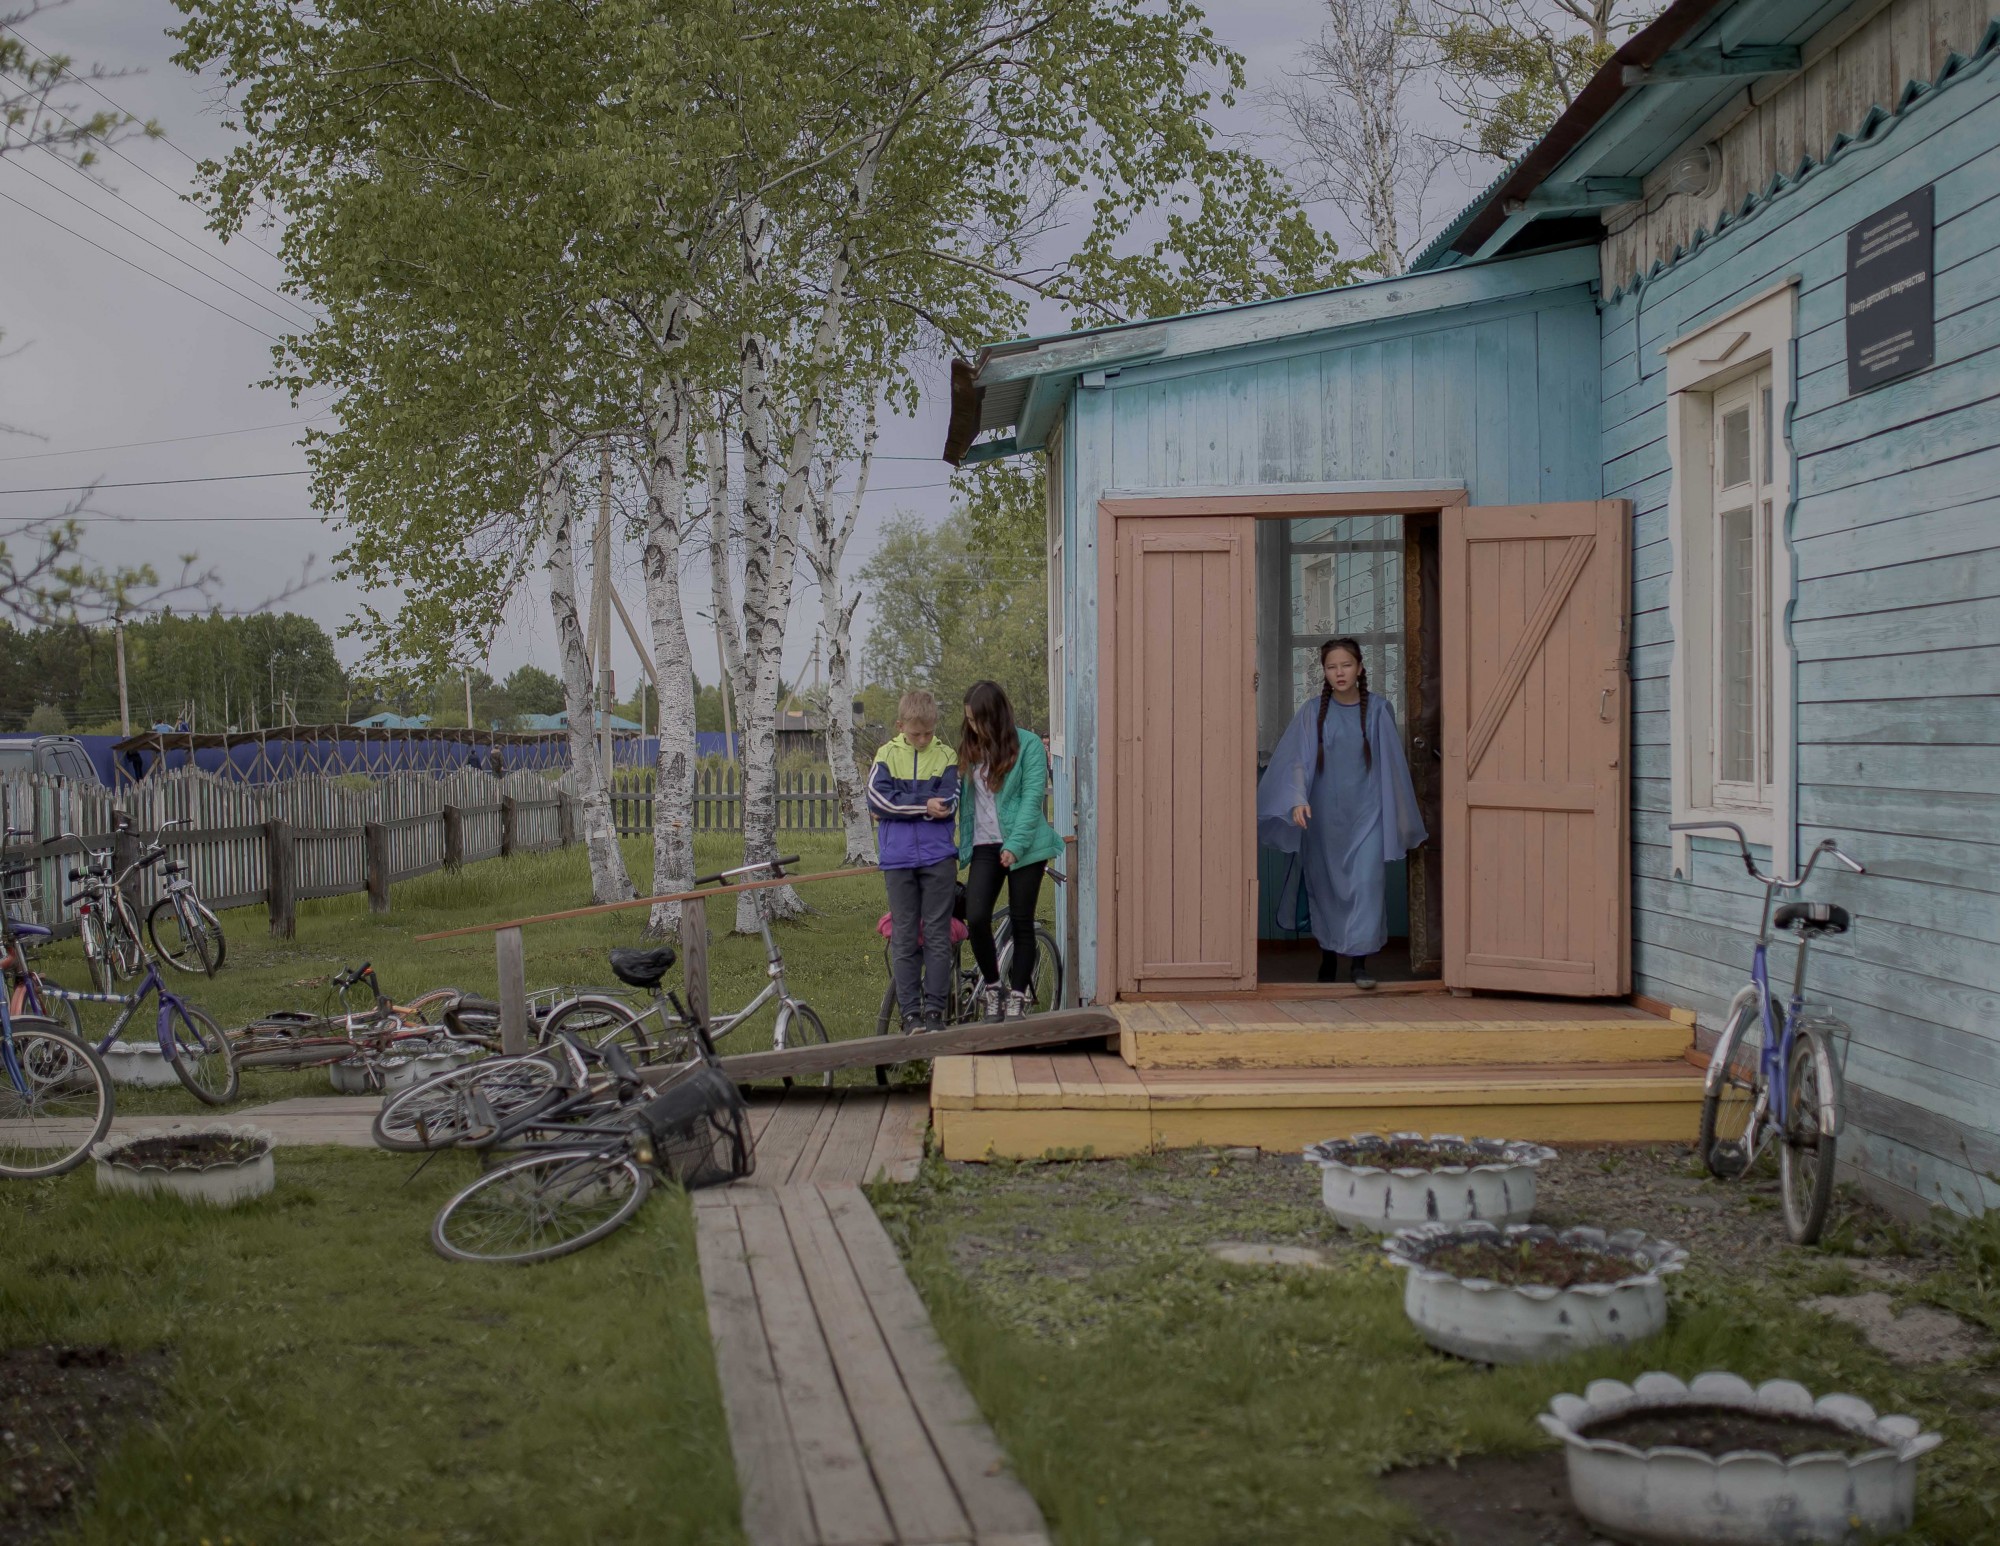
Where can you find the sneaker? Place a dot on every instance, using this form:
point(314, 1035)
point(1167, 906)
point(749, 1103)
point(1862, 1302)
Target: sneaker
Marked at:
point(1363, 980)
point(934, 1021)
point(1017, 1005)
point(988, 997)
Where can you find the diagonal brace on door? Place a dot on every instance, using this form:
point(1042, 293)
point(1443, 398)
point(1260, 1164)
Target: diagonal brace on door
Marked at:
point(1527, 647)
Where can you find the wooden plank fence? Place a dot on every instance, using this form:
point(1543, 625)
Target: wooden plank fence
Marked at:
point(806, 801)
point(278, 843)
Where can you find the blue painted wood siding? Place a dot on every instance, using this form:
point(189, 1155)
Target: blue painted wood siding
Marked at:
point(1896, 628)
point(1501, 397)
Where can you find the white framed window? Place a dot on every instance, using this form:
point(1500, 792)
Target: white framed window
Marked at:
point(1052, 468)
point(1729, 386)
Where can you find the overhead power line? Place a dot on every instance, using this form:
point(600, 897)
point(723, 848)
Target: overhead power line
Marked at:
point(181, 237)
point(99, 92)
point(170, 440)
point(220, 477)
point(108, 252)
point(171, 257)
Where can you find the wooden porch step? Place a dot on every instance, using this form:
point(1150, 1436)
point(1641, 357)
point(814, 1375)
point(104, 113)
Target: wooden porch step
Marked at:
point(1411, 1030)
point(1030, 1107)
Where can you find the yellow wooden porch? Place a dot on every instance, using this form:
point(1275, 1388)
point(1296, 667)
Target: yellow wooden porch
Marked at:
point(1279, 1073)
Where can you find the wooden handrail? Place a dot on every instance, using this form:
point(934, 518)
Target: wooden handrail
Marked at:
point(647, 901)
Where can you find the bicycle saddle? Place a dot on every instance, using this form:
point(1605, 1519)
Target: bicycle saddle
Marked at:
point(642, 968)
point(1812, 918)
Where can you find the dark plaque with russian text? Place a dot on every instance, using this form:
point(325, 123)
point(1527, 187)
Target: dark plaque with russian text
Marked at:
point(1891, 330)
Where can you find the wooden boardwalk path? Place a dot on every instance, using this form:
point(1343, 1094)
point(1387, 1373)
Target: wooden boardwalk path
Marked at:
point(849, 1425)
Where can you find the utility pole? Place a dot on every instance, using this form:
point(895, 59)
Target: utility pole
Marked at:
point(468, 698)
point(124, 702)
point(600, 607)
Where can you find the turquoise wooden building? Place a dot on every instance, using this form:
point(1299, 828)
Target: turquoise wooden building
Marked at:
point(1662, 487)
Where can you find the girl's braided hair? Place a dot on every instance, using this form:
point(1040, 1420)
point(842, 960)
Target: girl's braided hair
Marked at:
point(1353, 648)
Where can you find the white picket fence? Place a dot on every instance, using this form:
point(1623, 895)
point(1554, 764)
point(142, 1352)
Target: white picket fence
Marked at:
point(319, 828)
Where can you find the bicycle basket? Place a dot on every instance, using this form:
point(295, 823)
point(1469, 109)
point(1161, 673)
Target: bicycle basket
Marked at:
point(701, 1129)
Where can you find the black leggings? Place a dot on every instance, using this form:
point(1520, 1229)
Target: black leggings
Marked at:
point(982, 890)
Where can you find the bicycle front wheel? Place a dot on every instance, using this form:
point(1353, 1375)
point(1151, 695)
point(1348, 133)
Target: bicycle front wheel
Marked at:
point(540, 1207)
point(806, 1029)
point(439, 1113)
point(96, 953)
point(185, 935)
point(126, 947)
point(55, 1101)
point(201, 1056)
point(1735, 1077)
point(1805, 1153)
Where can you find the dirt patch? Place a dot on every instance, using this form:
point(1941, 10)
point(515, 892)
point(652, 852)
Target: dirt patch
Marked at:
point(1239, 1254)
point(60, 1409)
point(1733, 1225)
point(1921, 1334)
point(1545, 1262)
point(1716, 1430)
point(1494, 1500)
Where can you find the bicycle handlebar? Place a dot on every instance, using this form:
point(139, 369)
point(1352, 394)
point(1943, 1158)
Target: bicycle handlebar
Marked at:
point(1774, 882)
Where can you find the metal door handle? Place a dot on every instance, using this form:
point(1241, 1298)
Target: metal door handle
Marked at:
point(1603, 702)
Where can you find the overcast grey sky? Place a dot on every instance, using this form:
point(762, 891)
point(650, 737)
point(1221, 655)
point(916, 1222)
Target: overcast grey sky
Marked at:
point(109, 355)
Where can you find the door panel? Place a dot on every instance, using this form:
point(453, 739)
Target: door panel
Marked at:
point(1536, 715)
point(1184, 762)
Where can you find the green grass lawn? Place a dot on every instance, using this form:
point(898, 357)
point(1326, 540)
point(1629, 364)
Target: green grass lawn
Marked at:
point(1149, 1392)
point(328, 1379)
point(833, 956)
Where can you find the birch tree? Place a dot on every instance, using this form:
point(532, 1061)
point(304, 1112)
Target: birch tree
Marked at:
point(835, 515)
point(1349, 116)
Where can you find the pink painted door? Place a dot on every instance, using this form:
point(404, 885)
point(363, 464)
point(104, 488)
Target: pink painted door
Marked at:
point(1536, 853)
point(1184, 864)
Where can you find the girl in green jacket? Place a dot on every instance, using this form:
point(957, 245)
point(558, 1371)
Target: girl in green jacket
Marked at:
point(1003, 835)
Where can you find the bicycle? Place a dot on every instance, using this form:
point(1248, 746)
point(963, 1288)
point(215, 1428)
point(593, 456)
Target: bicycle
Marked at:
point(299, 1039)
point(56, 1098)
point(190, 1040)
point(1045, 985)
point(601, 1018)
point(590, 1155)
point(185, 933)
point(1788, 1082)
point(112, 949)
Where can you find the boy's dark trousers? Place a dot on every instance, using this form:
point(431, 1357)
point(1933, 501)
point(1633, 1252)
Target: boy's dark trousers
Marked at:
point(923, 970)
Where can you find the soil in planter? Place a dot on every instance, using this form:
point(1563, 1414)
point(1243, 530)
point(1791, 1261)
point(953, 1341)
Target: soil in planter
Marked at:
point(1716, 1430)
point(1550, 1263)
point(1410, 1154)
point(189, 1151)
point(60, 1409)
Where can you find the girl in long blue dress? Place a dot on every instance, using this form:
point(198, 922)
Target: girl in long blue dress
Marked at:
point(1338, 794)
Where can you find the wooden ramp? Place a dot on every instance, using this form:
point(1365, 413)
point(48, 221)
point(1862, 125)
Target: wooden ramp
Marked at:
point(848, 1423)
point(816, 1134)
point(1278, 1074)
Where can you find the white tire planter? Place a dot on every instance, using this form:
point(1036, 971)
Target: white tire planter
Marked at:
point(351, 1076)
point(139, 1064)
point(400, 1073)
point(1504, 1323)
point(1498, 1186)
point(1669, 1495)
point(218, 1184)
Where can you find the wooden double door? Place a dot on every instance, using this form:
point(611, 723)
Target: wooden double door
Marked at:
point(1527, 702)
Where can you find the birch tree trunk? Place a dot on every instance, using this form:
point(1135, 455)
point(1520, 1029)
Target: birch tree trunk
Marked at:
point(832, 531)
point(666, 513)
point(722, 594)
point(766, 650)
point(609, 881)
